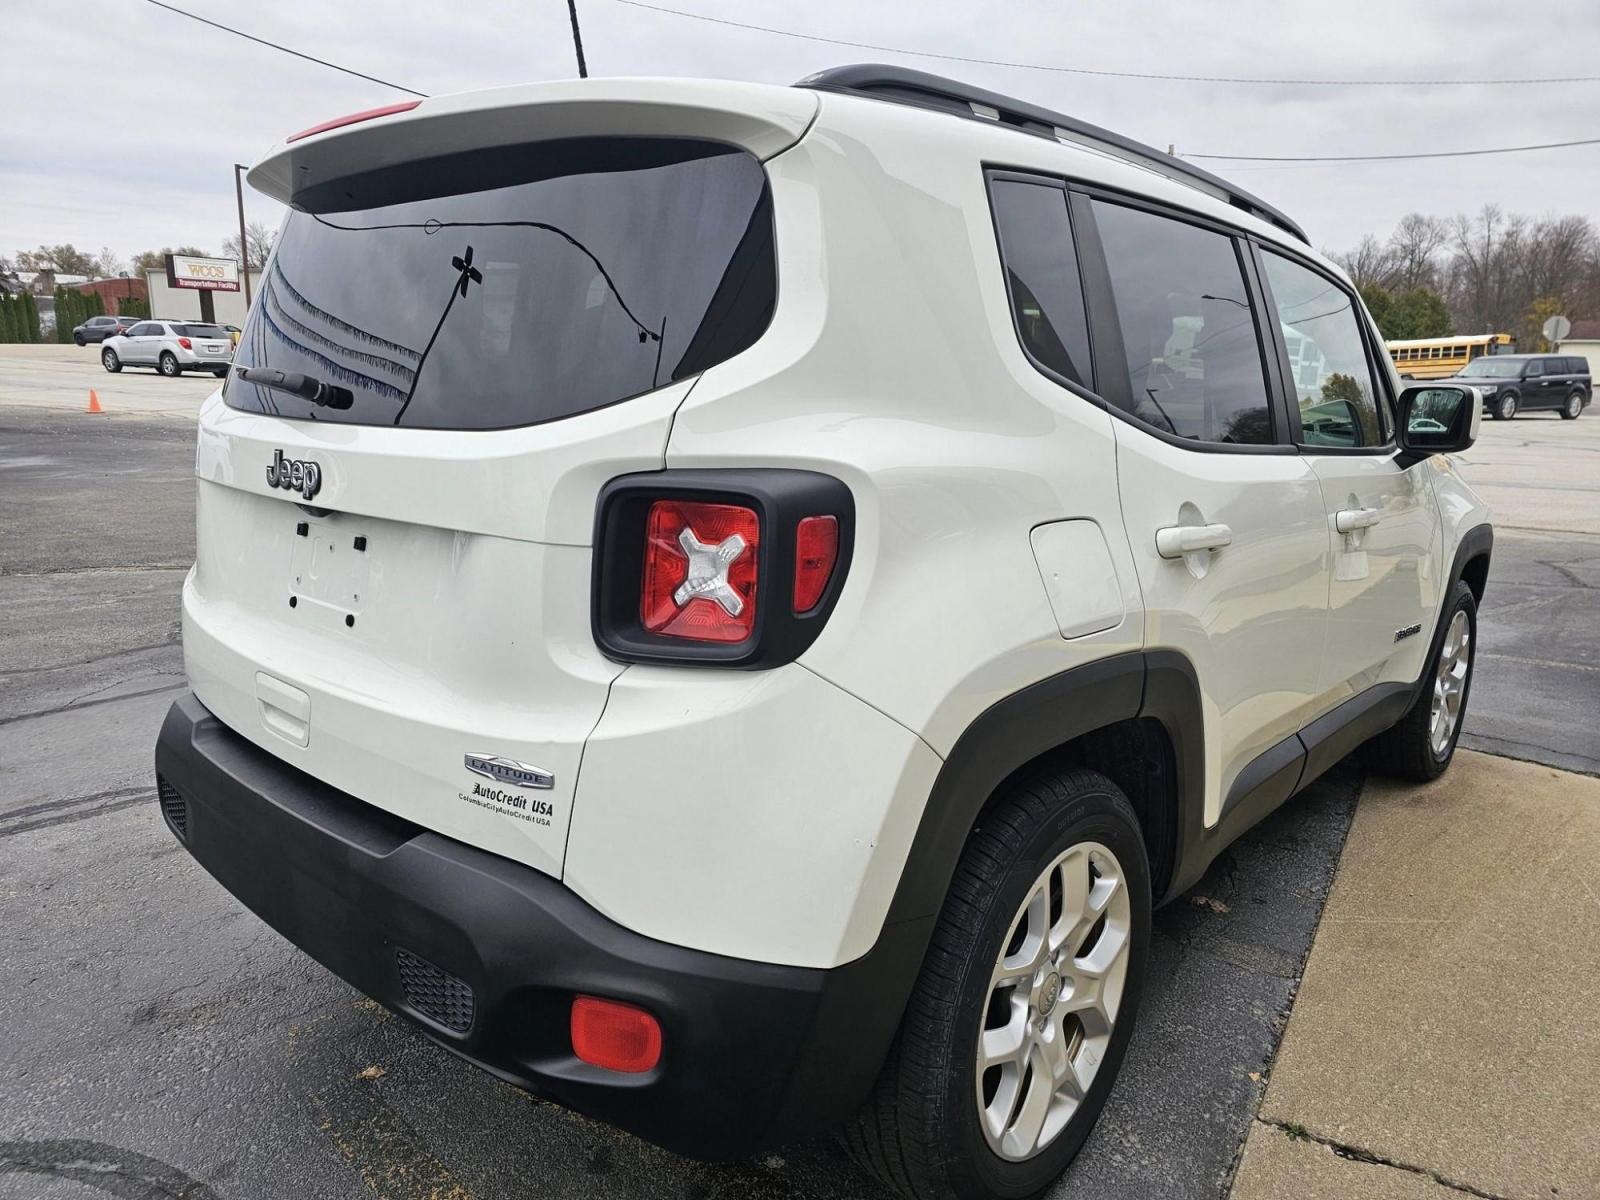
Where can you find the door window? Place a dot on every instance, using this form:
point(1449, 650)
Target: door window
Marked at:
point(1329, 373)
point(1042, 279)
point(1533, 370)
point(1188, 330)
point(145, 330)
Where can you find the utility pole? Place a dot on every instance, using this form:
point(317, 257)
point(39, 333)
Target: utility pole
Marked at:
point(244, 248)
point(577, 39)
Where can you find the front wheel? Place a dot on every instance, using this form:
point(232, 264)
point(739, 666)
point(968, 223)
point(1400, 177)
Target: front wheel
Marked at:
point(78, 339)
point(169, 365)
point(110, 361)
point(1506, 407)
point(1421, 745)
point(1020, 1018)
point(1573, 408)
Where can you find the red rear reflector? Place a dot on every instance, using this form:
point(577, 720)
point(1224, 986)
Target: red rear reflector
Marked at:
point(613, 1035)
point(816, 549)
point(700, 571)
point(186, 343)
point(353, 118)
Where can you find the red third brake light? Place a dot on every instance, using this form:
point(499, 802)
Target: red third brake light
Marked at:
point(816, 549)
point(700, 571)
point(354, 118)
point(613, 1035)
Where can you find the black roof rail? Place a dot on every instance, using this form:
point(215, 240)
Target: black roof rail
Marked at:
point(899, 85)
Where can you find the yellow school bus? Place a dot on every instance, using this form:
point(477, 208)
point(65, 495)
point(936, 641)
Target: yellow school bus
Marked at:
point(1437, 358)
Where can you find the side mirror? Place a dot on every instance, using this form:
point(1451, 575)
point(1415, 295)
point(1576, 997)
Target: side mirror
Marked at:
point(1437, 419)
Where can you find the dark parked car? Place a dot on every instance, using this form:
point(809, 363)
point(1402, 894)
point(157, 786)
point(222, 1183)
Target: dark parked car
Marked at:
point(98, 329)
point(1513, 383)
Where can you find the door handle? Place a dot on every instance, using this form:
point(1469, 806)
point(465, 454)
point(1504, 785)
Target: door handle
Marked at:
point(1348, 520)
point(1177, 540)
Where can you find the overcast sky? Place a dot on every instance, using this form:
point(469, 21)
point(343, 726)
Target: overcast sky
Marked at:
point(123, 121)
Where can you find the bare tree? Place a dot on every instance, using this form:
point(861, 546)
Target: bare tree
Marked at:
point(1414, 249)
point(109, 263)
point(258, 237)
point(1370, 263)
point(1485, 293)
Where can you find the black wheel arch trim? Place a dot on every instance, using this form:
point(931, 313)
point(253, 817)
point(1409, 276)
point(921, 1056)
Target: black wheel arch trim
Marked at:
point(1161, 684)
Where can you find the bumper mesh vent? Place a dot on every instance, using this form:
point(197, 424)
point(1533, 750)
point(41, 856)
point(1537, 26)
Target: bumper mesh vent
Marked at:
point(437, 995)
point(173, 807)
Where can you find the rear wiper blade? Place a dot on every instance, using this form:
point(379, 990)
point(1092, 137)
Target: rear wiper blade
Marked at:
point(307, 387)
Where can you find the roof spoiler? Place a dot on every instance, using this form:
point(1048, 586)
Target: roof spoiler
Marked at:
point(761, 119)
point(899, 85)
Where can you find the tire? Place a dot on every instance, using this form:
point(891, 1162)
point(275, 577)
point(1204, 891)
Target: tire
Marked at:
point(169, 365)
point(1505, 406)
point(78, 338)
point(921, 1133)
point(1412, 750)
point(1573, 408)
point(110, 361)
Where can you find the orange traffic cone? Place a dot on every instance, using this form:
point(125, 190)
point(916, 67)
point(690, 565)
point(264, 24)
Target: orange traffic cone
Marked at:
point(94, 403)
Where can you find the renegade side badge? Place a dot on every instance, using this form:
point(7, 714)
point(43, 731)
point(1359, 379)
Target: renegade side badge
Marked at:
point(509, 770)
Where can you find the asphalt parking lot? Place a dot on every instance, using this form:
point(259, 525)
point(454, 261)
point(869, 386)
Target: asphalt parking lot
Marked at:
point(162, 1042)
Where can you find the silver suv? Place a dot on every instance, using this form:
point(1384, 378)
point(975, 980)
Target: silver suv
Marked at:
point(171, 347)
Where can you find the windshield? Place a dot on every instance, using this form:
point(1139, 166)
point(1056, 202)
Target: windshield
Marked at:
point(200, 331)
point(549, 280)
point(1491, 368)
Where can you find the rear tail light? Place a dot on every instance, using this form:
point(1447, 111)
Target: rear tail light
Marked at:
point(719, 567)
point(700, 571)
point(816, 549)
point(354, 118)
point(186, 343)
point(614, 1035)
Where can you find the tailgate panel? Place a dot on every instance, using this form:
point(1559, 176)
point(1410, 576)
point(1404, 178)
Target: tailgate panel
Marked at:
point(398, 661)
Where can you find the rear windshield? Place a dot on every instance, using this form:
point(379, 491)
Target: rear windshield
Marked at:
point(546, 280)
point(200, 331)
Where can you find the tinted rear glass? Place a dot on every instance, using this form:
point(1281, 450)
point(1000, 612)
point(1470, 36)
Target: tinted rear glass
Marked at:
point(201, 331)
point(548, 280)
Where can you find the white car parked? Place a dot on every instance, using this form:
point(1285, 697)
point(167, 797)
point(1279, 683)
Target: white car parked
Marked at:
point(727, 605)
point(171, 347)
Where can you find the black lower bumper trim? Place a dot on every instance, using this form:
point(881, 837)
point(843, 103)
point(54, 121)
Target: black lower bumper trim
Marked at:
point(485, 955)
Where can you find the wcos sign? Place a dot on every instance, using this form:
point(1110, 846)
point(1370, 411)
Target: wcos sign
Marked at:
point(202, 274)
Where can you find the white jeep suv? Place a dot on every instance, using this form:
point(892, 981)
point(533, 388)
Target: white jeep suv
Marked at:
point(726, 605)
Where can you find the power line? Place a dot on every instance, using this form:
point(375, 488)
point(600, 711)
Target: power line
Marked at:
point(275, 46)
point(1025, 66)
point(1360, 158)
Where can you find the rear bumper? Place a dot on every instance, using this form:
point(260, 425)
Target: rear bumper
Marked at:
point(485, 955)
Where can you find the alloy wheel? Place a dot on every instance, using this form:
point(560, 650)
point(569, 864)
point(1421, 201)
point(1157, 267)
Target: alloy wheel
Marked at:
point(1053, 1000)
point(1508, 407)
point(1450, 683)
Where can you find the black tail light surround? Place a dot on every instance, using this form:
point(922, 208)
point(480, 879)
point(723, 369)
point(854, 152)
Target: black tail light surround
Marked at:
point(781, 498)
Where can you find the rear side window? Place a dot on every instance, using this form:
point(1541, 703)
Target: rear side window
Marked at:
point(1578, 366)
point(1194, 360)
point(501, 289)
point(1330, 374)
point(1042, 276)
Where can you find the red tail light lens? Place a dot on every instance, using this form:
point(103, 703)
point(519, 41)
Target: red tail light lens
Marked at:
point(816, 549)
point(353, 118)
point(186, 343)
point(700, 567)
point(613, 1035)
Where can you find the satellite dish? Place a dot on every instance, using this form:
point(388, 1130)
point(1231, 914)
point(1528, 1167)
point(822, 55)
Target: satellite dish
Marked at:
point(1556, 329)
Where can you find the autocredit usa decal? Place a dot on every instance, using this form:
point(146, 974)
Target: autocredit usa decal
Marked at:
point(523, 807)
